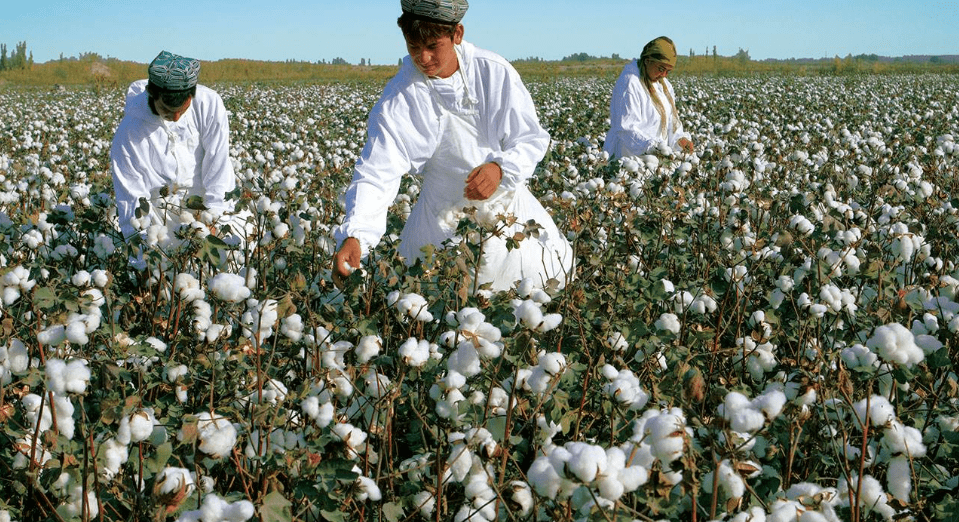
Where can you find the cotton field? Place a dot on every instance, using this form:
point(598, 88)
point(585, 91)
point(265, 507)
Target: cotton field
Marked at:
point(765, 330)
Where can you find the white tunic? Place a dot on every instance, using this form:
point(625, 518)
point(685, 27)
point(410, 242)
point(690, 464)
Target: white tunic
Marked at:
point(189, 157)
point(442, 129)
point(634, 121)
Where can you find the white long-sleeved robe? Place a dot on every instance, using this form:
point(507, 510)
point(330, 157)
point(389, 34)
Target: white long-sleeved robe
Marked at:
point(484, 111)
point(634, 121)
point(190, 156)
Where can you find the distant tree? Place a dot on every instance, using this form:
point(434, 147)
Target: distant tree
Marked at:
point(578, 57)
point(935, 59)
point(3, 57)
point(714, 52)
point(742, 55)
point(615, 56)
point(691, 53)
point(362, 62)
point(339, 61)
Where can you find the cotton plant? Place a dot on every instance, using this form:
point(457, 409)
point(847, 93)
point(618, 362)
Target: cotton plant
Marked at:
point(529, 314)
point(758, 358)
point(899, 445)
point(15, 283)
point(216, 434)
point(564, 470)
point(417, 352)
point(368, 348)
point(14, 359)
point(623, 387)
point(447, 394)
point(230, 288)
point(354, 439)
point(279, 441)
point(217, 509)
point(410, 305)
point(746, 417)
point(897, 345)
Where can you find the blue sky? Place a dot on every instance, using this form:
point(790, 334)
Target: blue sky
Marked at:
point(312, 30)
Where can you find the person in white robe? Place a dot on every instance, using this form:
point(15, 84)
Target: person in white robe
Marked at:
point(460, 117)
point(642, 109)
point(172, 143)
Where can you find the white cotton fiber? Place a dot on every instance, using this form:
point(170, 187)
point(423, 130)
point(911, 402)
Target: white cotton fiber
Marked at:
point(587, 461)
point(880, 412)
point(229, 287)
point(894, 343)
point(899, 478)
point(368, 348)
point(217, 434)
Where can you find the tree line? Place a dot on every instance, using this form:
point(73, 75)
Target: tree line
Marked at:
point(18, 59)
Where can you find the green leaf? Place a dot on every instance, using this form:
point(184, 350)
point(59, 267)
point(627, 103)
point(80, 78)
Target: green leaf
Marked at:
point(333, 516)
point(216, 242)
point(276, 508)
point(195, 203)
point(393, 511)
point(45, 297)
point(161, 457)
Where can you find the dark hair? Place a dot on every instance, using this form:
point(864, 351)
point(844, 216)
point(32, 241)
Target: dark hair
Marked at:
point(417, 30)
point(168, 97)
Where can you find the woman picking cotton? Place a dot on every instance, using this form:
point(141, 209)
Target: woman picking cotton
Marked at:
point(643, 116)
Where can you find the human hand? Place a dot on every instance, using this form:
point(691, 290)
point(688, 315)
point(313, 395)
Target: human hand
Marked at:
point(686, 145)
point(483, 181)
point(346, 259)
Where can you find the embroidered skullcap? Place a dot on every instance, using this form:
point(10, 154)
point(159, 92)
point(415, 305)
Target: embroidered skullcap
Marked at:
point(436, 11)
point(174, 72)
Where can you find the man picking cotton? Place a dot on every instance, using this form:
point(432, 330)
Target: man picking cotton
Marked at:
point(172, 143)
point(460, 117)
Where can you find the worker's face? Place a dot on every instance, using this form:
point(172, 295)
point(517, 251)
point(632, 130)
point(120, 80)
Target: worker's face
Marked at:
point(436, 58)
point(657, 70)
point(171, 113)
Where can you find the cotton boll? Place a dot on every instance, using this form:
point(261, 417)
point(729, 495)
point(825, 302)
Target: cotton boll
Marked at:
point(895, 344)
point(216, 433)
point(881, 413)
point(465, 360)
point(425, 503)
point(76, 333)
point(366, 488)
point(666, 433)
point(753, 514)
point(415, 352)
point(528, 314)
point(730, 480)
point(141, 424)
point(899, 478)
point(81, 279)
point(871, 495)
point(812, 516)
point(458, 463)
point(229, 287)
point(368, 348)
point(54, 335)
point(668, 322)
point(100, 278)
point(544, 478)
point(587, 461)
point(522, 497)
point(770, 403)
point(903, 440)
